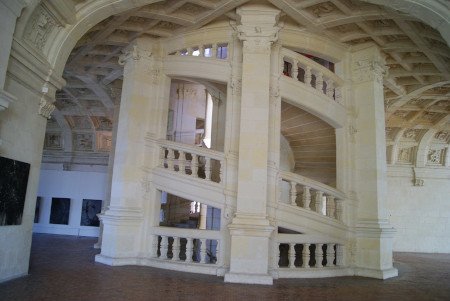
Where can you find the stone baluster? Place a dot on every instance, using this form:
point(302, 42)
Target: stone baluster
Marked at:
point(194, 165)
point(319, 255)
point(178, 52)
point(189, 246)
point(339, 255)
point(218, 254)
point(154, 248)
point(207, 169)
point(308, 76)
point(330, 206)
point(162, 156)
point(190, 50)
point(170, 159)
point(176, 249)
point(214, 51)
point(279, 255)
point(306, 197)
point(164, 247)
point(181, 162)
point(330, 255)
point(305, 256)
point(295, 70)
point(222, 164)
point(292, 255)
point(201, 50)
point(293, 193)
point(339, 209)
point(319, 81)
point(203, 250)
point(330, 88)
point(318, 201)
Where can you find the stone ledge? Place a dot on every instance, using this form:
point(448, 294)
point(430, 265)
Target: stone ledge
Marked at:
point(249, 278)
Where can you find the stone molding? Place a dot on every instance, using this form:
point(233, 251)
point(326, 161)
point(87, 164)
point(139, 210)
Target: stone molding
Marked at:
point(5, 99)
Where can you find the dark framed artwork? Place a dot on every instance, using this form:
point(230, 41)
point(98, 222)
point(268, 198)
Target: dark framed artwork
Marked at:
point(59, 213)
point(13, 189)
point(37, 209)
point(89, 212)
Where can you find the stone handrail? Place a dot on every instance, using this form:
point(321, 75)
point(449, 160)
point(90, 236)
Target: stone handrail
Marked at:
point(208, 50)
point(309, 251)
point(186, 245)
point(191, 160)
point(334, 198)
point(315, 75)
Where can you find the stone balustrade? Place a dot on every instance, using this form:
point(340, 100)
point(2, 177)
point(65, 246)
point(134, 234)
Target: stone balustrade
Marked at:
point(192, 161)
point(297, 251)
point(312, 195)
point(186, 245)
point(312, 74)
point(211, 50)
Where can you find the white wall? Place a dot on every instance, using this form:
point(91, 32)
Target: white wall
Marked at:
point(421, 214)
point(76, 185)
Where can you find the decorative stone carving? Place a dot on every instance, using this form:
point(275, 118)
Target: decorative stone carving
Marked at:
point(406, 155)
point(435, 156)
point(40, 27)
point(46, 108)
point(155, 74)
point(186, 93)
point(134, 53)
point(53, 141)
point(418, 182)
point(83, 142)
point(104, 141)
point(236, 86)
point(410, 134)
point(368, 70)
point(401, 114)
point(323, 9)
point(104, 124)
point(442, 136)
point(81, 123)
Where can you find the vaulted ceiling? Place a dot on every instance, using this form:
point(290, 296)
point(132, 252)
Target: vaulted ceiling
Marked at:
point(417, 87)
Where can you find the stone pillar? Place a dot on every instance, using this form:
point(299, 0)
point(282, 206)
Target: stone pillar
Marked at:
point(250, 229)
point(374, 235)
point(139, 118)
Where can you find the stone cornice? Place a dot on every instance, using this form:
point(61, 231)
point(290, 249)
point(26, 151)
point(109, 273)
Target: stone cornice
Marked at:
point(5, 99)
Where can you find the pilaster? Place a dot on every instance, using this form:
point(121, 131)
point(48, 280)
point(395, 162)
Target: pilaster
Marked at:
point(374, 235)
point(250, 229)
point(139, 116)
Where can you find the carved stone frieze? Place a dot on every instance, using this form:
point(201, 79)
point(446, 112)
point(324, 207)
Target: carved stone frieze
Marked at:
point(104, 141)
point(39, 27)
point(369, 70)
point(418, 182)
point(442, 136)
point(46, 108)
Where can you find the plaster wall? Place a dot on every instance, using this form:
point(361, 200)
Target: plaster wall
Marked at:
point(420, 214)
point(76, 185)
point(22, 131)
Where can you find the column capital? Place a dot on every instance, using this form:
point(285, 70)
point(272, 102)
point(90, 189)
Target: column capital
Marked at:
point(134, 52)
point(258, 27)
point(369, 70)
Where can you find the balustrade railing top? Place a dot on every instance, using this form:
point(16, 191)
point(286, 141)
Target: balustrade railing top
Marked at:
point(208, 50)
point(312, 74)
point(193, 161)
point(334, 207)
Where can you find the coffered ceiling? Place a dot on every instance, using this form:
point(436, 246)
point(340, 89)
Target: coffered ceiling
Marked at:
point(417, 86)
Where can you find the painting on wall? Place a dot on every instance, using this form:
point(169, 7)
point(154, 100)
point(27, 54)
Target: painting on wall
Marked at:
point(37, 210)
point(59, 213)
point(13, 189)
point(89, 212)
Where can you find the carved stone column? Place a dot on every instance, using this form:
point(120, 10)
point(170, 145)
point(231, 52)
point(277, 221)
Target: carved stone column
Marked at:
point(123, 232)
point(374, 233)
point(250, 229)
